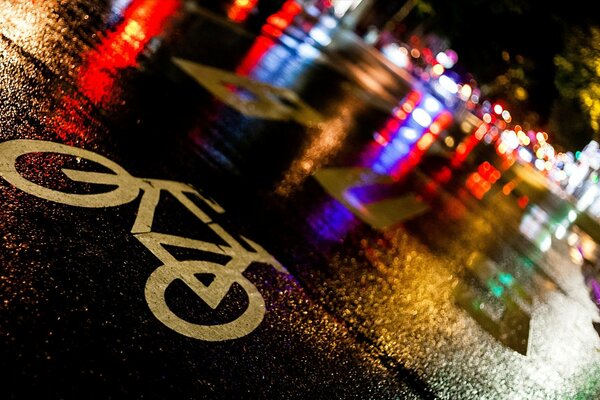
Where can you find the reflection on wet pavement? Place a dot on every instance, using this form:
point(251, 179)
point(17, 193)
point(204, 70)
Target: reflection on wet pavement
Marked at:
point(412, 265)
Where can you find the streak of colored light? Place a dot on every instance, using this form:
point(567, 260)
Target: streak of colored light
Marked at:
point(278, 22)
point(239, 10)
point(143, 20)
point(263, 43)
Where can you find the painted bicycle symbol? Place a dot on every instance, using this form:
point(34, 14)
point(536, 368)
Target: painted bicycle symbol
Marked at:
point(126, 189)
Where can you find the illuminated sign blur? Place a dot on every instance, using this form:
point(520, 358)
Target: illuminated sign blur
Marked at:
point(251, 98)
point(343, 183)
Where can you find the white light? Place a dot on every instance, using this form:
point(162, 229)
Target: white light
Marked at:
point(510, 140)
point(572, 216)
point(409, 133)
point(432, 105)
point(525, 155)
point(421, 117)
point(443, 59)
point(288, 41)
point(341, 7)
point(587, 198)
point(560, 232)
point(320, 36)
point(396, 55)
point(546, 244)
point(540, 164)
point(448, 84)
point(328, 22)
point(306, 50)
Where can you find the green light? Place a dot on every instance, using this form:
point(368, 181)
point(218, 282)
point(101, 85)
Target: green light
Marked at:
point(577, 155)
point(527, 263)
point(496, 289)
point(506, 279)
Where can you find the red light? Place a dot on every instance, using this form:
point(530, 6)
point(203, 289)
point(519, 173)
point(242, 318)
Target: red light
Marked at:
point(393, 125)
point(443, 175)
point(261, 45)
point(278, 22)
point(143, 20)
point(523, 201)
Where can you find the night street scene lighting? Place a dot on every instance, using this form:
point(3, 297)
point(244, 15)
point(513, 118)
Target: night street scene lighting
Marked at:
point(299, 199)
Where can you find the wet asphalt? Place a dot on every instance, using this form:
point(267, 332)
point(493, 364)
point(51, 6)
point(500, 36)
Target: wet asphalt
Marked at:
point(294, 260)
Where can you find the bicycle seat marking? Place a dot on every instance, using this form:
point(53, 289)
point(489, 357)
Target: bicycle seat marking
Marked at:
point(127, 189)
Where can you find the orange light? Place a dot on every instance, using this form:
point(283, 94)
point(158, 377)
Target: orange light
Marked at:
point(400, 114)
point(380, 139)
point(240, 9)
point(480, 131)
point(494, 176)
point(425, 141)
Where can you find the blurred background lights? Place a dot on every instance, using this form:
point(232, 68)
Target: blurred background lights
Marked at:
point(432, 105)
point(421, 117)
point(447, 83)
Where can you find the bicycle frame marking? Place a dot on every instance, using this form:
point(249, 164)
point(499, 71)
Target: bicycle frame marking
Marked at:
point(128, 188)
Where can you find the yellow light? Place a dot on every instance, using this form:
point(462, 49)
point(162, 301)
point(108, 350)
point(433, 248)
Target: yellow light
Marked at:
point(438, 69)
point(521, 93)
point(466, 91)
point(425, 141)
point(480, 131)
point(449, 140)
point(540, 137)
point(501, 148)
point(539, 153)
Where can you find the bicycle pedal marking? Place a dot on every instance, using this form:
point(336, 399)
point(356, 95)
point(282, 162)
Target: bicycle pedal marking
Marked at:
point(127, 190)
